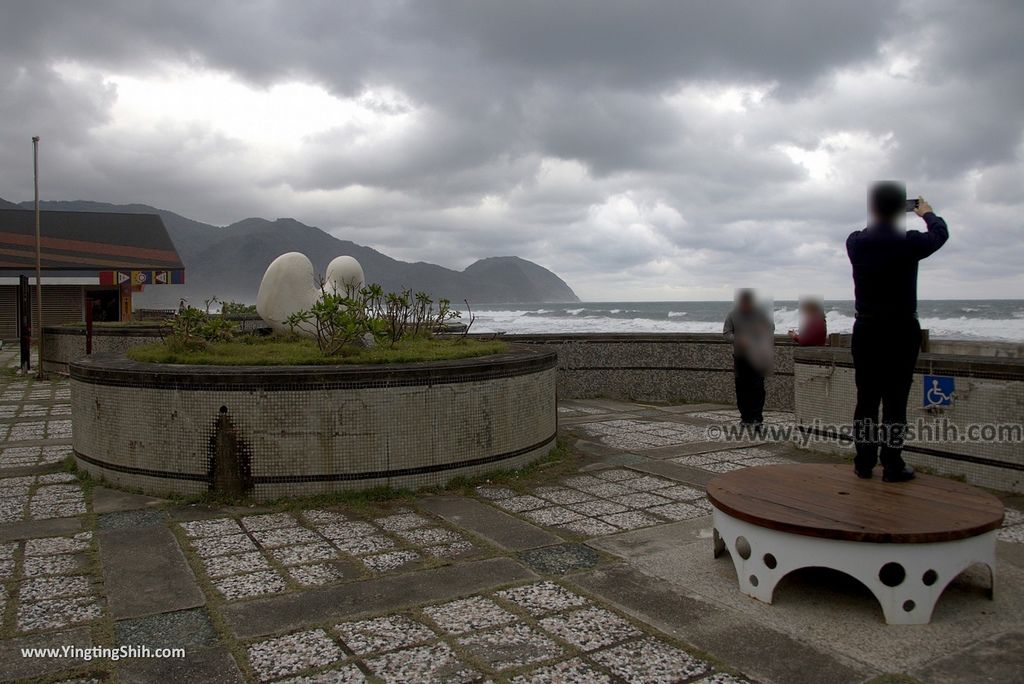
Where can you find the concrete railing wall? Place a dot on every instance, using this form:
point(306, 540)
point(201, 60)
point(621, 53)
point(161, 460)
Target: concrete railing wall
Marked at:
point(988, 401)
point(668, 367)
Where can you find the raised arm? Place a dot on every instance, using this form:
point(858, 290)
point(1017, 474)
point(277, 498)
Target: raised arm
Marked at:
point(925, 244)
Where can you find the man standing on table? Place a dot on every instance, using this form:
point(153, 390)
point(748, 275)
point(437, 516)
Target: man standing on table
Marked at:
point(886, 334)
point(751, 332)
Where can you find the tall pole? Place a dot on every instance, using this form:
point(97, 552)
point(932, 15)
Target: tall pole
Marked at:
point(39, 258)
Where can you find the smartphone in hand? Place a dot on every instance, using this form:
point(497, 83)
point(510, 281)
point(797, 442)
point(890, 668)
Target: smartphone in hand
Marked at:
point(911, 205)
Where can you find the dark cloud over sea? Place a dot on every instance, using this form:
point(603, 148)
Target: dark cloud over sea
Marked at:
point(646, 150)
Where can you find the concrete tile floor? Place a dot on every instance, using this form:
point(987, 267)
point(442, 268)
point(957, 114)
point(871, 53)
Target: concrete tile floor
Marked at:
point(628, 593)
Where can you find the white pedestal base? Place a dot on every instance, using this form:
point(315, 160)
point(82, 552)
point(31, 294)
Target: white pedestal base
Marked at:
point(913, 578)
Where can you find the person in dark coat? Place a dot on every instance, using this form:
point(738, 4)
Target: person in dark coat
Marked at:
point(750, 331)
point(886, 333)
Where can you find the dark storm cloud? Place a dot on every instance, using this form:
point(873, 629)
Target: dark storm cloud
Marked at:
point(629, 146)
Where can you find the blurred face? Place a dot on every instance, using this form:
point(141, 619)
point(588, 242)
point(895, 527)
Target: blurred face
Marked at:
point(746, 303)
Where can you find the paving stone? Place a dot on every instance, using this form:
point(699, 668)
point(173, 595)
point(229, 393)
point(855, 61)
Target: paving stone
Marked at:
point(317, 574)
point(304, 553)
point(589, 527)
point(319, 517)
point(233, 564)
point(562, 495)
point(648, 483)
point(393, 560)
point(249, 585)
point(403, 521)
point(107, 500)
point(1013, 534)
point(60, 564)
point(677, 511)
point(493, 525)
point(453, 550)
point(430, 535)
point(649, 660)
point(631, 520)
point(145, 572)
point(285, 536)
point(641, 500)
point(510, 646)
point(598, 507)
point(589, 628)
point(16, 667)
point(542, 598)
point(268, 521)
point(565, 672)
point(43, 588)
point(426, 664)
point(721, 678)
point(468, 615)
point(293, 653)
point(561, 559)
point(119, 520)
point(210, 528)
point(390, 593)
point(383, 634)
point(58, 613)
point(222, 545)
point(207, 665)
point(361, 546)
point(348, 530)
point(519, 504)
point(189, 629)
point(51, 545)
point(554, 515)
point(682, 493)
point(494, 493)
point(347, 674)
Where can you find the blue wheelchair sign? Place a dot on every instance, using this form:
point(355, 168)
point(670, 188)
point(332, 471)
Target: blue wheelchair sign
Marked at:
point(938, 390)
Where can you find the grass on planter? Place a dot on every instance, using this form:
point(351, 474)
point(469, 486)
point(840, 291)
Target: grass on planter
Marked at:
point(275, 351)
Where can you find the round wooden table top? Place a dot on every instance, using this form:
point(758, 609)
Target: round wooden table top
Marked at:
point(825, 500)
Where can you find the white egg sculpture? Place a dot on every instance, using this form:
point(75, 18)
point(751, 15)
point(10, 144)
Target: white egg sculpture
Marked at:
point(290, 284)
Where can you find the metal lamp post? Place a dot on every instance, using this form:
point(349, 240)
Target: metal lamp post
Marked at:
point(39, 268)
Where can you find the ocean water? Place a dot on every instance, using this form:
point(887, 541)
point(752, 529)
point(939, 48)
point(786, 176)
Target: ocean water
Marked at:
point(989, 319)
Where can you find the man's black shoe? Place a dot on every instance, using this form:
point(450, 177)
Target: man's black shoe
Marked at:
point(864, 474)
point(907, 473)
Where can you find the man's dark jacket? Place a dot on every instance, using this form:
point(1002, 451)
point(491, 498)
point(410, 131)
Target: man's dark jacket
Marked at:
point(884, 262)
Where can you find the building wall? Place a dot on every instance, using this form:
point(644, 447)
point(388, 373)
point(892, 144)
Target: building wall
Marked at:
point(297, 431)
point(61, 304)
point(669, 367)
point(989, 393)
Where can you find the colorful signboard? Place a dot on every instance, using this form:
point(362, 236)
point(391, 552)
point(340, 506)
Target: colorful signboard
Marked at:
point(142, 277)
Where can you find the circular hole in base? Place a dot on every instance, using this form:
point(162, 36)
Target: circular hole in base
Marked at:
point(743, 547)
point(892, 574)
point(753, 580)
point(908, 606)
point(769, 561)
point(930, 577)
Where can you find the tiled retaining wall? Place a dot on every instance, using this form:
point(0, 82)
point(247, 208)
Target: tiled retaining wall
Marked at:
point(670, 367)
point(66, 343)
point(296, 431)
point(989, 392)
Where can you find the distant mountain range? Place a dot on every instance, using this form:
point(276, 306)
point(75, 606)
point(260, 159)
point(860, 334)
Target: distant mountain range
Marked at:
point(229, 261)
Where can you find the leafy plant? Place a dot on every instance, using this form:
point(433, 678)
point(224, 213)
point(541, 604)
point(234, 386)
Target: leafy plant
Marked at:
point(192, 328)
point(343, 321)
point(237, 309)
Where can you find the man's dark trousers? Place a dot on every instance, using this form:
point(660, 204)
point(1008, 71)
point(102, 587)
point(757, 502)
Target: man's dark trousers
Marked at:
point(884, 355)
point(749, 391)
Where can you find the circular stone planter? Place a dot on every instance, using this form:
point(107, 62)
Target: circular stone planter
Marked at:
point(270, 432)
point(63, 344)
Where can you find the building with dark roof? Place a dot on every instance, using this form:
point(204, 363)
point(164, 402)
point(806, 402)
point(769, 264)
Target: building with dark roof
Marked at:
point(94, 256)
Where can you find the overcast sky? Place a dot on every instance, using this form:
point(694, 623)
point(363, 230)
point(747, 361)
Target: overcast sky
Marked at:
point(641, 150)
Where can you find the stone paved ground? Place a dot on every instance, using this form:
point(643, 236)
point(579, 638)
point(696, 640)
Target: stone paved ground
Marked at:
point(593, 570)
